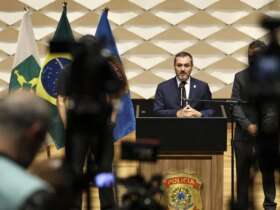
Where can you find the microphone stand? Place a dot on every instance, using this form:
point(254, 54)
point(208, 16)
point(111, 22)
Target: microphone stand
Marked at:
point(230, 103)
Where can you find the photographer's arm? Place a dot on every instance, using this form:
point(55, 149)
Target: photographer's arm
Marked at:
point(61, 106)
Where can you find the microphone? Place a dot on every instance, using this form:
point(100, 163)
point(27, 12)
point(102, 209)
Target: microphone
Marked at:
point(182, 94)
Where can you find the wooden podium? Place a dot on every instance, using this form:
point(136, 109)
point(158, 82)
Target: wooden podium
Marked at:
point(193, 144)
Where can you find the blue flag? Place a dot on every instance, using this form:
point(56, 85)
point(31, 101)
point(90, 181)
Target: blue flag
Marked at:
point(125, 121)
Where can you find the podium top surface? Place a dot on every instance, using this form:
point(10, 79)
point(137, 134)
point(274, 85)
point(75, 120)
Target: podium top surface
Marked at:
point(179, 135)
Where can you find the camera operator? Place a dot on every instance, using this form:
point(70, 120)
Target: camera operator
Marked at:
point(251, 140)
point(24, 120)
point(91, 86)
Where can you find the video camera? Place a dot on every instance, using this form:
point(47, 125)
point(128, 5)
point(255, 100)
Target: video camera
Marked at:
point(265, 70)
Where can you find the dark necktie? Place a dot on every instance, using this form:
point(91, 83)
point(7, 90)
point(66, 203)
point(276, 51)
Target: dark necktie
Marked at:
point(183, 96)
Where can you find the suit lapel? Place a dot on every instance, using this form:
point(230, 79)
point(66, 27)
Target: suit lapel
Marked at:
point(192, 92)
point(176, 90)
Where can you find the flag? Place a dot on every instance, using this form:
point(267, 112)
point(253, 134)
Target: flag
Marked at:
point(53, 65)
point(26, 66)
point(125, 120)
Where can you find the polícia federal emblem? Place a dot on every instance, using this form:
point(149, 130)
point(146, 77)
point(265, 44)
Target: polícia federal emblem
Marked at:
point(182, 191)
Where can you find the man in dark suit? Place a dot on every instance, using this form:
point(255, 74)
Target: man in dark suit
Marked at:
point(249, 142)
point(183, 95)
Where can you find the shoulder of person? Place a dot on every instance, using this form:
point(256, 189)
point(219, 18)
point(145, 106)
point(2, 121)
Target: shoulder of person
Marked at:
point(166, 82)
point(199, 82)
point(16, 179)
point(242, 73)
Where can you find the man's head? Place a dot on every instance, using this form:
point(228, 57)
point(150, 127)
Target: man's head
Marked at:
point(183, 63)
point(254, 49)
point(24, 120)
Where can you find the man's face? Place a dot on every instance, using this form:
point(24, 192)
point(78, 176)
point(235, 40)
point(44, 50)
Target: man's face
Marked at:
point(183, 67)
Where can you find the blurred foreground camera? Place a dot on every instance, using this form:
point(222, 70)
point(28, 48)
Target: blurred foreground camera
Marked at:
point(265, 69)
point(144, 150)
point(141, 194)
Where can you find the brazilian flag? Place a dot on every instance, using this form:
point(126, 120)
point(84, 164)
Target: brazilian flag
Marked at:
point(51, 68)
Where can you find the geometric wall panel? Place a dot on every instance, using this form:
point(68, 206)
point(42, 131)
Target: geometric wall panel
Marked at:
point(91, 4)
point(126, 40)
point(146, 25)
point(86, 24)
point(174, 46)
point(125, 45)
point(5, 72)
point(6, 64)
point(173, 17)
point(241, 55)
point(8, 41)
point(272, 9)
point(3, 87)
point(42, 25)
point(11, 12)
point(146, 55)
point(257, 4)
point(121, 11)
point(164, 70)
point(174, 40)
point(74, 10)
point(2, 26)
point(214, 83)
point(5, 76)
point(224, 92)
point(11, 18)
point(250, 25)
point(201, 25)
point(204, 55)
point(144, 84)
point(174, 11)
point(201, 4)
point(229, 40)
point(225, 69)
point(146, 4)
point(203, 60)
point(229, 11)
point(131, 69)
point(254, 31)
point(145, 60)
point(163, 73)
point(35, 4)
point(121, 17)
point(3, 55)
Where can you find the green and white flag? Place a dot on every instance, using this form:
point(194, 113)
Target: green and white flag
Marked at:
point(26, 66)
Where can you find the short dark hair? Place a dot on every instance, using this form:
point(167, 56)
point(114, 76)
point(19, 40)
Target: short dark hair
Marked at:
point(183, 54)
point(20, 110)
point(257, 44)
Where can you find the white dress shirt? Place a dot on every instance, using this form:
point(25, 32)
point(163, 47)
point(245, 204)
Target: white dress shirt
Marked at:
point(187, 86)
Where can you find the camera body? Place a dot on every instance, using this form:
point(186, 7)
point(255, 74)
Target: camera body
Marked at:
point(265, 68)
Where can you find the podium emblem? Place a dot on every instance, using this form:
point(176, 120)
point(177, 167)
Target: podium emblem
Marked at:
point(182, 191)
